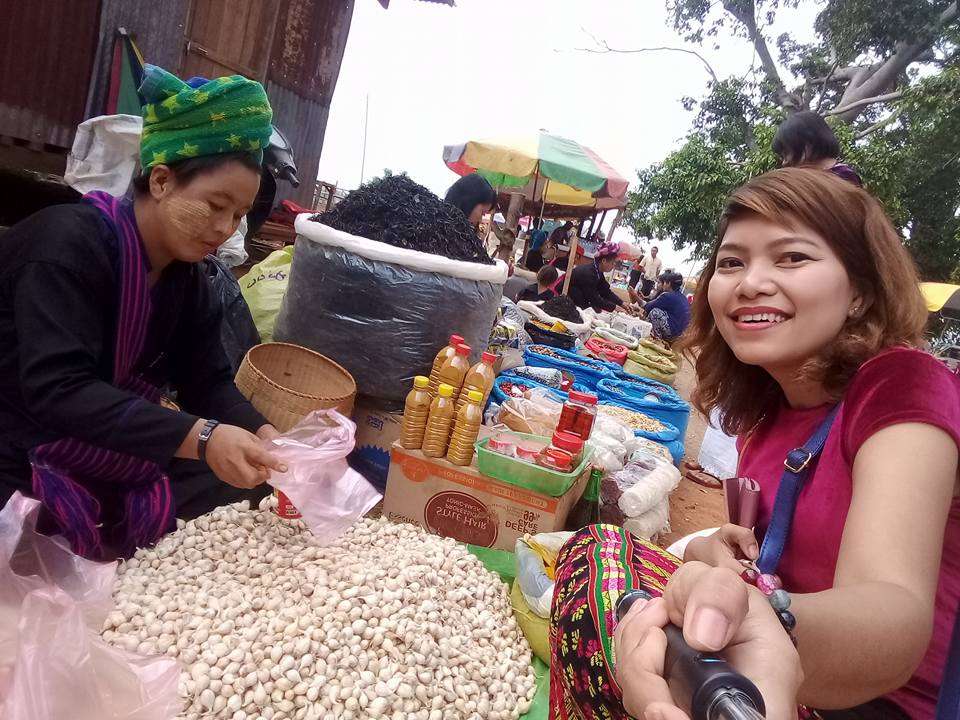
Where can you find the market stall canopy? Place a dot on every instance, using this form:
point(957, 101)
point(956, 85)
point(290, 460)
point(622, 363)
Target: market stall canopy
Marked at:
point(943, 298)
point(569, 174)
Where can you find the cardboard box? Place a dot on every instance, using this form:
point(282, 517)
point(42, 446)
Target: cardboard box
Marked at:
point(459, 502)
point(376, 432)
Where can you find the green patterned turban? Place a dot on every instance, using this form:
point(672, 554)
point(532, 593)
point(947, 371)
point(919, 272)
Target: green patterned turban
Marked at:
point(226, 115)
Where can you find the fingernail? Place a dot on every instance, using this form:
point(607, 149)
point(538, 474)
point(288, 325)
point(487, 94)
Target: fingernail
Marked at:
point(709, 627)
point(283, 468)
point(653, 713)
point(754, 552)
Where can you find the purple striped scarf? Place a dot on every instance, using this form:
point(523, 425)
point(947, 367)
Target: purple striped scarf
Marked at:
point(67, 473)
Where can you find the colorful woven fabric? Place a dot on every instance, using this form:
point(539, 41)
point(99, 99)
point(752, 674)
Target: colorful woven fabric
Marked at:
point(596, 566)
point(226, 115)
point(71, 477)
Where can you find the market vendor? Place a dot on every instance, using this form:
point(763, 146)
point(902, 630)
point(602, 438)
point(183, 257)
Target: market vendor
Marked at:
point(589, 287)
point(805, 330)
point(669, 311)
point(474, 196)
point(104, 309)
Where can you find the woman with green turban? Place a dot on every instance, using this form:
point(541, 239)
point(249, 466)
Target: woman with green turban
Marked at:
point(103, 307)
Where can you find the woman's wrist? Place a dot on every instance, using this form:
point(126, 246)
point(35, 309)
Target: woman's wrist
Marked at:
point(188, 447)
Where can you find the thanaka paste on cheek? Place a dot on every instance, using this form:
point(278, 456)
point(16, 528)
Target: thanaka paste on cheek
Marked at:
point(187, 218)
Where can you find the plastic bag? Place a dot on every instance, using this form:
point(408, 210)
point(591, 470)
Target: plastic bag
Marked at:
point(233, 252)
point(652, 523)
point(264, 288)
point(637, 497)
point(581, 330)
point(536, 414)
point(536, 558)
point(718, 453)
point(328, 493)
point(383, 312)
point(105, 153)
point(238, 332)
point(53, 663)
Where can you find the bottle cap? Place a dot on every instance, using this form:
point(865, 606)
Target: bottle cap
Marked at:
point(559, 458)
point(568, 441)
point(475, 396)
point(463, 349)
point(585, 398)
point(455, 340)
point(420, 382)
point(489, 358)
point(445, 390)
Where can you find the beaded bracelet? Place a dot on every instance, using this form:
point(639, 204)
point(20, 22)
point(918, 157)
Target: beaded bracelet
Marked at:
point(779, 599)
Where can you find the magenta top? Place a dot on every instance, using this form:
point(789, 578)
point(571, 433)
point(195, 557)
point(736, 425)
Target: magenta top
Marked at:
point(898, 386)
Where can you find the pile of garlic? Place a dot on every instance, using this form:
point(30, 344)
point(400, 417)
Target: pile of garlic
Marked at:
point(387, 622)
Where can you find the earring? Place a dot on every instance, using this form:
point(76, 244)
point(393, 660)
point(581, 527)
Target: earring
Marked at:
point(854, 311)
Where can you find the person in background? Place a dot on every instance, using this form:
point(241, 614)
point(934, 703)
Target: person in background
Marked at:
point(540, 256)
point(474, 196)
point(805, 140)
point(669, 311)
point(104, 304)
point(589, 287)
point(651, 265)
point(542, 288)
point(636, 271)
point(561, 234)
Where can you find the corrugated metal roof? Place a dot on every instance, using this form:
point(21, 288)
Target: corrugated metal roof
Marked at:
point(304, 122)
point(45, 66)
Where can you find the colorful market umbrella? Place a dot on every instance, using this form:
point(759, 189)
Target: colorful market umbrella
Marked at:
point(942, 298)
point(545, 167)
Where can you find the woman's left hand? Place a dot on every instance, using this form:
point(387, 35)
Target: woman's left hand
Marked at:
point(267, 432)
point(718, 613)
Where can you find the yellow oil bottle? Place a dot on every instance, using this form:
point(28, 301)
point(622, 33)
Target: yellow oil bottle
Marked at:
point(466, 428)
point(415, 412)
point(448, 351)
point(439, 422)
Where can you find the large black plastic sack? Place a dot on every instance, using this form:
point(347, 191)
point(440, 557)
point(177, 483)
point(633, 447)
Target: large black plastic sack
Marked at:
point(238, 332)
point(380, 311)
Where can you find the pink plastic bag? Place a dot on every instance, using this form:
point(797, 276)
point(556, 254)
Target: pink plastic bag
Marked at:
point(53, 662)
point(328, 493)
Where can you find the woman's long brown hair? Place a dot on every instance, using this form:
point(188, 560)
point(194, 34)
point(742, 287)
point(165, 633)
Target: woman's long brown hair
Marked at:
point(856, 228)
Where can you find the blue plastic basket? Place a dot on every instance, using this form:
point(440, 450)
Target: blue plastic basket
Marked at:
point(588, 372)
point(669, 433)
point(647, 396)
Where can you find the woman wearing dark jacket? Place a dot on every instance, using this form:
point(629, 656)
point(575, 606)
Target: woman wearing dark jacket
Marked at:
point(104, 306)
point(589, 287)
point(474, 196)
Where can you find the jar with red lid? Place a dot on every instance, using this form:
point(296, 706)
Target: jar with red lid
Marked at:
point(578, 414)
point(529, 450)
point(502, 444)
point(556, 459)
point(569, 443)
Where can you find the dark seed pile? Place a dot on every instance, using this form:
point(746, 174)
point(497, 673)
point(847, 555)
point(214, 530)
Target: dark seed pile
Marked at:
point(397, 211)
point(562, 307)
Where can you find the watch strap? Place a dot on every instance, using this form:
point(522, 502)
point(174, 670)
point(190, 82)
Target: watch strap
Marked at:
point(204, 437)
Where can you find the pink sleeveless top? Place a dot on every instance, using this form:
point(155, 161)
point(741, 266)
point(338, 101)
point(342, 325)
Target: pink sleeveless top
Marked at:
point(898, 386)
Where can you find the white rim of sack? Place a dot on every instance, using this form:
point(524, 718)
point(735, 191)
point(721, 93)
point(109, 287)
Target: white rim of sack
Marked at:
point(381, 252)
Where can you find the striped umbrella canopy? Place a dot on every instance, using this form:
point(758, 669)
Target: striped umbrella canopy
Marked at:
point(544, 167)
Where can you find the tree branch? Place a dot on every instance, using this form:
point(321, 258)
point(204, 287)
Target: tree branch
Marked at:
point(605, 48)
point(823, 85)
point(878, 125)
point(888, 97)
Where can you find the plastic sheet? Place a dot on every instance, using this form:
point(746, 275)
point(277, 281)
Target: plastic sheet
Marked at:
point(383, 312)
point(105, 153)
point(238, 332)
point(328, 493)
point(53, 663)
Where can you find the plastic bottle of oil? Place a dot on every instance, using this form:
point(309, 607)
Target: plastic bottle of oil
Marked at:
point(415, 414)
point(466, 428)
point(439, 421)
point(455, 369)
point(480, 378)
point(448, 351)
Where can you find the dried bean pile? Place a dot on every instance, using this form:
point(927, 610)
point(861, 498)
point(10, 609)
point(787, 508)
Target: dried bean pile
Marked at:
point(397, 211)
point(562, 307)
point(632, 419)
point(387, 622)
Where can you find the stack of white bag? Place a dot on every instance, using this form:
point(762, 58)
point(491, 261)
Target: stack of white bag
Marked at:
point(638, 496)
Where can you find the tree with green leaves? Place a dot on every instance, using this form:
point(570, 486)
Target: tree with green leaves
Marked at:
point(884, 73)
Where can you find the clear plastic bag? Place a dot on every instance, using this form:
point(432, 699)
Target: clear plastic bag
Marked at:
point(637, 496)
point(53, 663)
point(328, 493)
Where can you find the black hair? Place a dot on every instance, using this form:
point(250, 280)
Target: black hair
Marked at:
point(804, 137)
point(547, 275)
point(470, 191)
point(672, 278)
point(186, 170)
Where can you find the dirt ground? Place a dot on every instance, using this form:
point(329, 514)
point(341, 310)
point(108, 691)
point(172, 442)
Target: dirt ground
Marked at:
point(692, 506)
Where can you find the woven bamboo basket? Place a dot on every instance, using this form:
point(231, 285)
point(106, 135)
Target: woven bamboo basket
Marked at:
point(285, 382)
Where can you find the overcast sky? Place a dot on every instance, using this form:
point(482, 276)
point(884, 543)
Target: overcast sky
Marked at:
point(438, 75)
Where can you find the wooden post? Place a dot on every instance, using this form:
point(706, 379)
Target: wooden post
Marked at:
point(505, 251)
point(616, 223)
point(571, 262)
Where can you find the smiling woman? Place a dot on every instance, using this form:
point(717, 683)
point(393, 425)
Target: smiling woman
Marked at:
point(103, 307)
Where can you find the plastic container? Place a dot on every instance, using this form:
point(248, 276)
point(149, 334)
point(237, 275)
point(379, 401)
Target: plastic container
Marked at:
point(529, 475)
point(529, 450)
point(415, 413)
point(556, 459)
point(455, 369)
point(647, 396)
point(447, 352)
point(439, 422)
point(466, 428)
point(480, 378)
point(578, 414)
point(569, 443)
point(502, 444)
